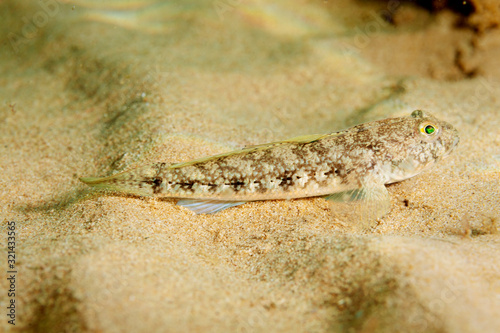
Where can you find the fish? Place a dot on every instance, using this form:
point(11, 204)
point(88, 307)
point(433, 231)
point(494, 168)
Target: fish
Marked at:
point(349, 166)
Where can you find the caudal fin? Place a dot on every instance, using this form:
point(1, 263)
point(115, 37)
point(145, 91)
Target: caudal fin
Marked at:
point(133, 181)
point(93, 181)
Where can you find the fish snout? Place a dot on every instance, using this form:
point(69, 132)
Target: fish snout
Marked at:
point(452, 140)
point(456, 141)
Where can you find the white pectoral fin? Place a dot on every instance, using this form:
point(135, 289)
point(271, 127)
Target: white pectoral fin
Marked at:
point(207, 206)
point(364, 205)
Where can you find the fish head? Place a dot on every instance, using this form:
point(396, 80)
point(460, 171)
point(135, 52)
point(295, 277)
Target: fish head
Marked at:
point(434, 138)
point(424, 140)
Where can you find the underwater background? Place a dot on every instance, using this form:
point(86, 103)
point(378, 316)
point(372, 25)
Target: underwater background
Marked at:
point(92, 88)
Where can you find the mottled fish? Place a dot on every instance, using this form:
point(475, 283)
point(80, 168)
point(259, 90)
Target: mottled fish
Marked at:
point(347, 166)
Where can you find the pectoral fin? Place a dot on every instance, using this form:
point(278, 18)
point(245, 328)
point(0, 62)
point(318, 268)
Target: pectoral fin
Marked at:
point(207, 206)
point(363, 206)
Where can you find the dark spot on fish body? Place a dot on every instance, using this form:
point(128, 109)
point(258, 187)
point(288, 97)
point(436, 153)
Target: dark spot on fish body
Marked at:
point(155, 183)
point(159, 168)
point(286, 182)
point(187, 186)
point(331, 172)
point(236, 183)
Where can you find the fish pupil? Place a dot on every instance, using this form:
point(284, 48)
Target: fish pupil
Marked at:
point(429, 129)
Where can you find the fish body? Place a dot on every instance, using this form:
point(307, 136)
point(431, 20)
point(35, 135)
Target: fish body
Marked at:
point(350, 165)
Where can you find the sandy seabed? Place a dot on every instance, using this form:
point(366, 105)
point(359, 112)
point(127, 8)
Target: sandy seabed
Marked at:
point(94, 89)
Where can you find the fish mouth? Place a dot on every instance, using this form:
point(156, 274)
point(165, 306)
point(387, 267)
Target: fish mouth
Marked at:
point(454, 144)
point(451, 148)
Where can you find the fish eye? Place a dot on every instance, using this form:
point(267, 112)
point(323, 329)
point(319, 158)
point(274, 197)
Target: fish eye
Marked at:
point(428, 129)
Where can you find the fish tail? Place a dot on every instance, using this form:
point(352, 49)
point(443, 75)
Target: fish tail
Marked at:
point(132, 181)
point(94, 181)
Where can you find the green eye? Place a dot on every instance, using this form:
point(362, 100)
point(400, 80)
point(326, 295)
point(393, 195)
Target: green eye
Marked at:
point(429, 129)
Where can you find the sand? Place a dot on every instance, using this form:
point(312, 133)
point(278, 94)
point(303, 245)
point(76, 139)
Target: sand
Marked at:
point(95, 89)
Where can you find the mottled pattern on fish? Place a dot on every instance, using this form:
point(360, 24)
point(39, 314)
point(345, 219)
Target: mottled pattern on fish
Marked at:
point(364, 157)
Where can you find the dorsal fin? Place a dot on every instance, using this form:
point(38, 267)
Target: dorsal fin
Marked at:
point(299, 139)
